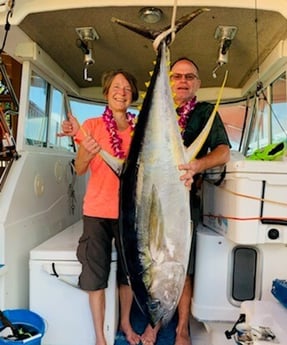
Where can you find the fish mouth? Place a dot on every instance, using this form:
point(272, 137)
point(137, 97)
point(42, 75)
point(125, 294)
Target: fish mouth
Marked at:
point(155, 311)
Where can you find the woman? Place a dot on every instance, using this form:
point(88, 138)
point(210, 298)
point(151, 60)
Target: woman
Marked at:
point(111, 132)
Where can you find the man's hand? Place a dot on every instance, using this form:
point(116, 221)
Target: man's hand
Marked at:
point(190, 170)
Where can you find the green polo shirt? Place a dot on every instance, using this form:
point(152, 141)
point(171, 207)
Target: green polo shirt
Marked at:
point(196, 122)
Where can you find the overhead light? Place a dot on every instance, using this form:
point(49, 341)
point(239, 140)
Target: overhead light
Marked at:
point(150, 15)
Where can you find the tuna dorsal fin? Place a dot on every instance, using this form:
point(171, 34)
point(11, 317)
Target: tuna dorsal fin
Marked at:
point(197, 144)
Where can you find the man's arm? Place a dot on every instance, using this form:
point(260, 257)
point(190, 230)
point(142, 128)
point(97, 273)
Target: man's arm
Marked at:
point(219, 156)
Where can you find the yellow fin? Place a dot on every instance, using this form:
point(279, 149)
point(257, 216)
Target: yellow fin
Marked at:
point(197, 144)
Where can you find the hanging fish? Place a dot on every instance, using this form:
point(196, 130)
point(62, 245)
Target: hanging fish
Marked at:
point(155, 221)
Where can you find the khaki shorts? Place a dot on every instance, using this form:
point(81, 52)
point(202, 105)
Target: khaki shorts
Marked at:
point(94, 253)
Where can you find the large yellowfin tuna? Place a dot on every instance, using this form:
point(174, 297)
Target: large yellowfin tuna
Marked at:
point(155, 217)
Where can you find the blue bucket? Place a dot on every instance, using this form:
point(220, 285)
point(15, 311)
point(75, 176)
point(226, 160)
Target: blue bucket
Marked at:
point(30, 321)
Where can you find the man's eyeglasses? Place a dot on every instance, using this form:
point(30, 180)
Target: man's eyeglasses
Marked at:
point(187, 76)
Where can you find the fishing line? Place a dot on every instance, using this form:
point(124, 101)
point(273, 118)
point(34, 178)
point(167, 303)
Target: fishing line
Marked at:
point(257, 40)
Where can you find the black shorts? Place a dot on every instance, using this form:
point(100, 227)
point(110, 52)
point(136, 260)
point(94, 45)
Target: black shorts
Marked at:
point(195, 216)
point(94, 253)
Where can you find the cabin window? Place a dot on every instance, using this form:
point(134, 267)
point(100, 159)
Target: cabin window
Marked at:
point(45, 114)
point(268, 123)
point(279, 109)
point(258, 130)
point(47, 109)
point(85, 109)
point(37, 117)
point(233, 115)
point(57, 114)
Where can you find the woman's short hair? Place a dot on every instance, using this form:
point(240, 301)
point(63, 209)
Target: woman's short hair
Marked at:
point(108, 77)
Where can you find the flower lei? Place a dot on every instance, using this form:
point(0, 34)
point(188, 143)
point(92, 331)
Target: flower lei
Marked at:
point(184, 112)
point(112, 128)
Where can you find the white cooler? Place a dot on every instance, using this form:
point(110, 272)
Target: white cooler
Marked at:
point(250, 206)
point(54, 293)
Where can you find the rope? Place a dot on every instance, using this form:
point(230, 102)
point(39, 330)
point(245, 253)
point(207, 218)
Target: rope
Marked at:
point(165, 33)
point(243, 218)
point(254, 197)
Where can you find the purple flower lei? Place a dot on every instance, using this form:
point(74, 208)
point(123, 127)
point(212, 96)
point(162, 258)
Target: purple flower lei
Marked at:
point(184, 112)
point(112, 128)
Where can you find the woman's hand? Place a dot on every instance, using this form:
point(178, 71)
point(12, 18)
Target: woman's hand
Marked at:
point(70, 127)
point(88, 149)
point(91, 145)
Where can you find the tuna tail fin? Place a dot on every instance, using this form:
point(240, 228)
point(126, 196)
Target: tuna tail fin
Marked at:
point(186, 19)
point(152, 34)
point(145, 32)
point(192, 151)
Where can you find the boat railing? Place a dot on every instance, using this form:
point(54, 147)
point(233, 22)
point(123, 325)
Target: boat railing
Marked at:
point(7, 149)
point(5, 165)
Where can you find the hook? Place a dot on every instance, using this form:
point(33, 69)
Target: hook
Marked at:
point(219, 64)
point(88, 60)
point(86, 77)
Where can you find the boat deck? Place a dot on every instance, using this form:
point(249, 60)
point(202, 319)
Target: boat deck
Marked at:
point(166, 336)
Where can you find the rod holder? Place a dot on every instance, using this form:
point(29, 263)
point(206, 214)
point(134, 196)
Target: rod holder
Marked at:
point(224, 34)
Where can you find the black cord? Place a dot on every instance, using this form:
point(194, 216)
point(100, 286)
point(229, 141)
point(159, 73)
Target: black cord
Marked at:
point(7, 28)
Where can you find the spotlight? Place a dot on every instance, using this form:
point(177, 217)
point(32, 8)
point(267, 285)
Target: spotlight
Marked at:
point(150, 15)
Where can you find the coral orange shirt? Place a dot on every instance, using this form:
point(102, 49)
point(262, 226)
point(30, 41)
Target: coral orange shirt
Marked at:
point(102, 193)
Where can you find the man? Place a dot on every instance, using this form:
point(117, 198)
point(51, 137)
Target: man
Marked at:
point(215, 152)
point(193, 116)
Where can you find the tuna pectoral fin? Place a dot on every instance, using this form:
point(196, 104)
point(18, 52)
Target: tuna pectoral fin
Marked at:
point(195, 147)
point(114, 163)
point(156, 231)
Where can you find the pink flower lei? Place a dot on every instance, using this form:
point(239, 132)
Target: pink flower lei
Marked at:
point(184, 112)
point(112, 128)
